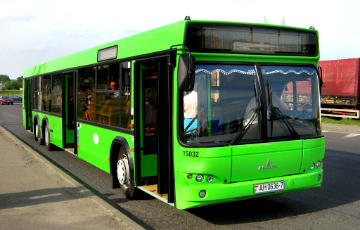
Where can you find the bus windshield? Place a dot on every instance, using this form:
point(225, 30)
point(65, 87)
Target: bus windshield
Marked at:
point(228, 104)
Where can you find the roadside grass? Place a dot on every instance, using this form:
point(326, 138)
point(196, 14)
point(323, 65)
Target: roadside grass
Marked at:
point(10, 92)
point(342, 121)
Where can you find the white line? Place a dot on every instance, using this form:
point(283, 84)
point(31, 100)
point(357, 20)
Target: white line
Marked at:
point(352, 135)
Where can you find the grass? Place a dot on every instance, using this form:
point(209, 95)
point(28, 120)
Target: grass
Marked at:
point(10, 92)
point(342, 121)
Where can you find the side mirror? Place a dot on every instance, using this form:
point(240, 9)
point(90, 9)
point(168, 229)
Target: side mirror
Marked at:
point(186, 72)
point(320, 77)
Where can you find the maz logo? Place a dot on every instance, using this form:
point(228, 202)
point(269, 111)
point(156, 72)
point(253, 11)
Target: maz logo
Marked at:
point(268, 165)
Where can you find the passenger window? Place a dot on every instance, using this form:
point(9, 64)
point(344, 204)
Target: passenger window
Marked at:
point(125, 94)
point(107, 104)
point(46, 94)
point(56, 94)
point(86, 94)
point(38, 94)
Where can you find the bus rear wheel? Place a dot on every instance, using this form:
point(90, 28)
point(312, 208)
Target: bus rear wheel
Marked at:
point(37, 132)
point(123, 173)
point(48, 144)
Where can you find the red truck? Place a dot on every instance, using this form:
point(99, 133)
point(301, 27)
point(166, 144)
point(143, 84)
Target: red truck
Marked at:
point(340, 92)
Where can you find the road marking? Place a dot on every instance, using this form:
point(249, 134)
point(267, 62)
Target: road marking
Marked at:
point(352, 135)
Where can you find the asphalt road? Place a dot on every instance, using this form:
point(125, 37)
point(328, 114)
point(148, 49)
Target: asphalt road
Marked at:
point(336, 205)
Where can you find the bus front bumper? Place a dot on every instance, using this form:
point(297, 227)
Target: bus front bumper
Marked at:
point(189, 196)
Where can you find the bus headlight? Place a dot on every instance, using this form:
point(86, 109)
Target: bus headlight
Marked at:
point(210, 179)
point(202, 193)
point(312, 166)
point(318, 164)
point(199, 178)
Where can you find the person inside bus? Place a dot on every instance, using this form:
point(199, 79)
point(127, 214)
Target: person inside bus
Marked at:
point(150, 110)
point(113, 85)
point(71, 108)
point(87, 104)
point(106, 110)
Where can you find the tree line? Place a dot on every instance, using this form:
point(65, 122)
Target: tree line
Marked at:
point(9, 84)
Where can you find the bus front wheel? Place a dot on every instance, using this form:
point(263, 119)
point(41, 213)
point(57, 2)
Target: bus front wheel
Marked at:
point(125, 175)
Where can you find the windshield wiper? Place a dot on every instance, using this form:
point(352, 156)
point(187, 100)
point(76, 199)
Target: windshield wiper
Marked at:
point(255, 112)
point(192, 121)
point(276, 112)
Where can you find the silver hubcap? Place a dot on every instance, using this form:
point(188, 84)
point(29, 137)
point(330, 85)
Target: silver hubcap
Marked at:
point(47, 136)
point(37, 128)
point(123, 170)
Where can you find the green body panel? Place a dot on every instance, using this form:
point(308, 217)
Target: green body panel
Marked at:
point(206, 161)
point(94, 144)
point(246, 160)
point(314, 151)
point(24, 117)
point(55, 126)
point(148, 165)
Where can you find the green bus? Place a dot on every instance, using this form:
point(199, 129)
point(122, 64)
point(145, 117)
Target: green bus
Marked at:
point(194, 113)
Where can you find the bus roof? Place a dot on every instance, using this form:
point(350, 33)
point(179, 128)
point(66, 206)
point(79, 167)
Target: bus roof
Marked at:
point(155, 40)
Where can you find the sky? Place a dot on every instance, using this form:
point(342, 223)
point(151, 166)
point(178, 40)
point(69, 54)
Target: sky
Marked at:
point(36, 31)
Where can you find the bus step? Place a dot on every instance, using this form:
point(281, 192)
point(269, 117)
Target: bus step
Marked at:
point(70, 150)
point(152, 190)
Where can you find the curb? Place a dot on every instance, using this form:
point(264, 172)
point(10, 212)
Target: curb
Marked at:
point(123, 218)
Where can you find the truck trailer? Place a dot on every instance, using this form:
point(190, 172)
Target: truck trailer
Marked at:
point(340, 91)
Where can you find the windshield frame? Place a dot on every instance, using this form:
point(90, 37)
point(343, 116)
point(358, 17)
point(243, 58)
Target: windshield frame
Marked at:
point(263, 100)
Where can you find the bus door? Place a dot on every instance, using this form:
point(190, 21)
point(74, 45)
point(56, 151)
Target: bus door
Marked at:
point(27, 104)
point(69, 112)
point(154, 154)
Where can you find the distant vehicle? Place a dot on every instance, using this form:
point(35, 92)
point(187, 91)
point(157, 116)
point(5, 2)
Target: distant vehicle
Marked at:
point(340, 93)
point(16, 98)
point(6, 100)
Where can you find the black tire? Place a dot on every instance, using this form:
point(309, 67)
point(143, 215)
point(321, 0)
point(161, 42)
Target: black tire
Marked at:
point(125, 173)
point(47, 139)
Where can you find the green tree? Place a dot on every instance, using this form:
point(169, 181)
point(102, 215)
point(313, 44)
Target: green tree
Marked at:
point(12, 85)
point(4, 78)
point(19, 79)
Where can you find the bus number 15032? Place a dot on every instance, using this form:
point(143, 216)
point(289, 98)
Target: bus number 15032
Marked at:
point(191, 153)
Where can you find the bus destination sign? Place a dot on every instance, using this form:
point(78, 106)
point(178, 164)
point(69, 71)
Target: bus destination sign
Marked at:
point(250, 39)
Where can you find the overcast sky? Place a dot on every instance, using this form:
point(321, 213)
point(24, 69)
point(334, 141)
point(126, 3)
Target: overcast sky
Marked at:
point(36, 31)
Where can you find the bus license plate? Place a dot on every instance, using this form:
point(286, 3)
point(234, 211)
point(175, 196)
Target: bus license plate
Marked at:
point(268, 187)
